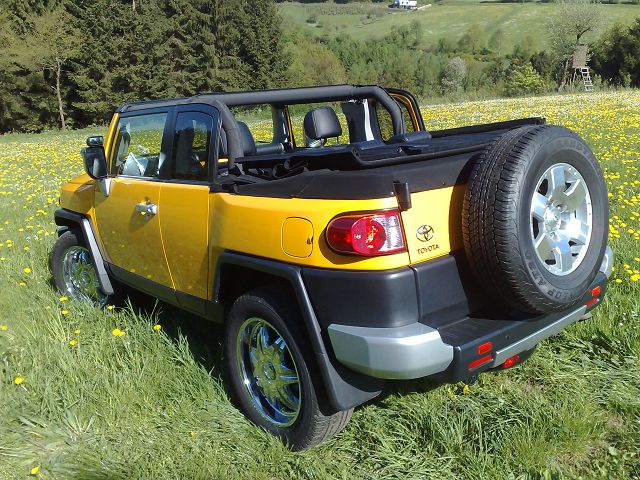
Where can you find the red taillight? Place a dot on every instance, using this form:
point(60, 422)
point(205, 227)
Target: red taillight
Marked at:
point(484, 348)
point(480, 361)
point(511, 361)
point(369, 234)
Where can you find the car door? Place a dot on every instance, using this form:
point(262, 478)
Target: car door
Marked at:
point(184, 202)
point(127, 211)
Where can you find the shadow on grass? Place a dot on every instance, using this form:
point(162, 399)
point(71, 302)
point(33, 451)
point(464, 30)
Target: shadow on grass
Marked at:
point(205, 341)
point(204, 338)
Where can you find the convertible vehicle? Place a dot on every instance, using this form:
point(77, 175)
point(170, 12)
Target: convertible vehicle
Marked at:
point(341, 242)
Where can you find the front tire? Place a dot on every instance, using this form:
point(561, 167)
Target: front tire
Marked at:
point(73, 271)
point(271, 379)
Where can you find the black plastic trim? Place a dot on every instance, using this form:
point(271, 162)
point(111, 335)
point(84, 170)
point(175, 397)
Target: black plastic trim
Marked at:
point(196, 305)
point(466, 334)
point(385, 298)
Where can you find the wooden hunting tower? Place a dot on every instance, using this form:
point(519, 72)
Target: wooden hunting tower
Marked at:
point(580, 67)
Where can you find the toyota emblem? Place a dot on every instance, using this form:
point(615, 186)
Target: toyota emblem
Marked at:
point(425, 233)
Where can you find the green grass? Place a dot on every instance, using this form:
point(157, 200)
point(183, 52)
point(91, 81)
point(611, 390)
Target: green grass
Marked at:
point(152, 404)
point(448, 19)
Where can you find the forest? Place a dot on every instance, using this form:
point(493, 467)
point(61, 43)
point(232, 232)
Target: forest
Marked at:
point(69, 63)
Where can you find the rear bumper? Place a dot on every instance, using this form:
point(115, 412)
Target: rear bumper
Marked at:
point(449, 351)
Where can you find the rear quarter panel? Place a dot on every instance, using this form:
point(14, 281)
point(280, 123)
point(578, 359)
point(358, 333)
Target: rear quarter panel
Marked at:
point(253, 225)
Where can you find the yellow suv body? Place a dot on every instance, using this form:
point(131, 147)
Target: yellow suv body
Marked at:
point(341, 252)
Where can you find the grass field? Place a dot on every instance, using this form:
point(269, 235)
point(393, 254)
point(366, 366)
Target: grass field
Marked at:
point(77, 401)
point(447, 19)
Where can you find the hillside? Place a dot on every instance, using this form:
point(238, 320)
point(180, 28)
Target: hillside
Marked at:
point(449, 18)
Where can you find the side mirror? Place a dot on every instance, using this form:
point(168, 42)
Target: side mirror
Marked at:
point(95, 162)
point(95, 141)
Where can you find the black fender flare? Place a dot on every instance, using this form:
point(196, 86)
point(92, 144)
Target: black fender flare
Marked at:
point(68, 218)
point(344, 388)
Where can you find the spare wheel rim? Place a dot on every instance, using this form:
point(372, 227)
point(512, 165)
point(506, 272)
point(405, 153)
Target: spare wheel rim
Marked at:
point(561, 219)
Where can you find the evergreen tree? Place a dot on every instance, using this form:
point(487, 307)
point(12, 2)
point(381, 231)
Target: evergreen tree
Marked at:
point(262, 46)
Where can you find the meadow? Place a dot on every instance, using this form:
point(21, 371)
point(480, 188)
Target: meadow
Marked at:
point(521, 22)
point(138, 392)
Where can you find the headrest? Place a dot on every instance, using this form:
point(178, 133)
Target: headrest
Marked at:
point(322, 123)
point(246, 138)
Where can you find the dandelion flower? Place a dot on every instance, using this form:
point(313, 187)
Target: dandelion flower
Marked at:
point(77, 331)
point(35, 470)
point(110, 307)
point(65, 312)
point(27, 270)
point(116, 332)
point(73, 342)
point(63, 299)
point(22, 284)
point(465, 389)
point(3, 328)
point(157, 327)
point(18, 380)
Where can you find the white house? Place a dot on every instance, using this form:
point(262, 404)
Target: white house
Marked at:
point(406, 4)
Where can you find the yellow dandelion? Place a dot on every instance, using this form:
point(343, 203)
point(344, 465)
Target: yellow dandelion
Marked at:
point(3, 328)
point(73, 342)
point(77, 331)
point(18, 380)
point(26, 249)
point(26, 270)
point(110, 307)
point(116, 332)
point(35, 470)
point(618, 280)
point(465, 389)
point(63, 299)
point(22, 284)
point(157, 327)
point(65, 312)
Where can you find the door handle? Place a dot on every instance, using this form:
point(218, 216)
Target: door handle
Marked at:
point(147, 208)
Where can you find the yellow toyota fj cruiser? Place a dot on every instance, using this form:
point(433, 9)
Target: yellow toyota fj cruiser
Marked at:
point(342, 250)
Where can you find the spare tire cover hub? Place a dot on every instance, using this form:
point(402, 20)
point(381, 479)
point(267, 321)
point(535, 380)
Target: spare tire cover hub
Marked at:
point(561, 219)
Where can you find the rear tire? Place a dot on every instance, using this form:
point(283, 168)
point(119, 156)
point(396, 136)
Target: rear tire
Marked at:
point(535, 219)
point(271, 371)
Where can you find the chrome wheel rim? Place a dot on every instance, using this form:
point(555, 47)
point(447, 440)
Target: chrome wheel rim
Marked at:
point(269, 372)
point(80, 277)
point(561, 219)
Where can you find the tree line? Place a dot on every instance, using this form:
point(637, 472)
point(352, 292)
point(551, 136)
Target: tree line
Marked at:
point(71, 62)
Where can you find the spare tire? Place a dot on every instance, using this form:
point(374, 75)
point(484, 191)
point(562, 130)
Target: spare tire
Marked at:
point(535, 219)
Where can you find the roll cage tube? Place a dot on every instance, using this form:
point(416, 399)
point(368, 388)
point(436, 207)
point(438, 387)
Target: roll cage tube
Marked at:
point(285, 96)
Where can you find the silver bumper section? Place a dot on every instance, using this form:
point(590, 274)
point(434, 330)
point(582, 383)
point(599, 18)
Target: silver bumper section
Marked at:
point(607, 262)
point(412, 351)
